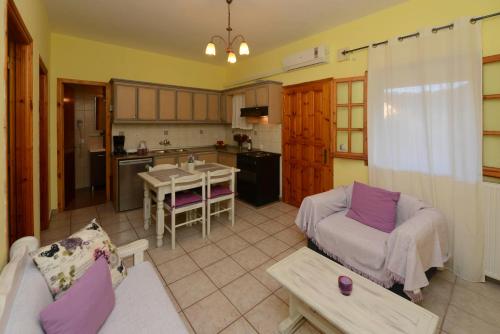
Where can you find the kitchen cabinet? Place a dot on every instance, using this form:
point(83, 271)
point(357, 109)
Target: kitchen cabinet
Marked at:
point(227, 112)
point(165, 160)
point(228, 159)
point(208, 157)
point(167, 105)
point(262, 96)
point(200, 106)
point(125, 102)
point(147, 103)
point(213, 112)
point(184, 106)
point(250, 98)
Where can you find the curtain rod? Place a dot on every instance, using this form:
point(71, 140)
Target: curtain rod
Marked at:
point(434, 30)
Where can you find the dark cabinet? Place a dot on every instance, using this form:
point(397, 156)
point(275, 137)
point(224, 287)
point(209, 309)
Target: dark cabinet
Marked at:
point(97, 169)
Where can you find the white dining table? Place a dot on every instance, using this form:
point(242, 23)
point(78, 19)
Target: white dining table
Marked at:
point(163, 188)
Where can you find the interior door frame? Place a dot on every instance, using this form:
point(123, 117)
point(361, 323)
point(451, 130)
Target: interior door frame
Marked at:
point(43, 141)
point(60, 135)
point(19, 164)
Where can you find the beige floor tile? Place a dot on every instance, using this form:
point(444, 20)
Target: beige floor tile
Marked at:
point(282, 293)
point(135, 214)
point(77, 226)
point(253, 235)
point(256, 218)
point(287, 219)
point(207, 255)
point(240, 224)
point(272, 226)
point(446, 275)
point(186, 322)
point(142, 233)
point(84, 217)
point(192, 242)
point(243, 211)
point(192, 288)
point(250, 258)
point(460, 322)
point(283, 207)
point(437, 297)
point(245, 292)
point(219, 232)
point(307, 328)
point(487, 289)
point(56, 233)
point(211, 314)
point(289, 236)
point(270, 212)
point(123, 238)
point(286, 253)
point(300, 244)
point(240, 326)
point(272, 246)
point(113, 219)
point(232, 244)
point(476, 304)
point(224, 271)
point(261, 274)
point(164, 253)
point(266, 316)
point(172, 298)
point(117, 227)
point(63, 222)
point(177, 268)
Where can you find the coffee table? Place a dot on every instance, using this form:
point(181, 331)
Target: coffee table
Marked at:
point(312, 282)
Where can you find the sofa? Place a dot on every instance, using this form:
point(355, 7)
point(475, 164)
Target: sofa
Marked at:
point(418, 242)
point(141, 303)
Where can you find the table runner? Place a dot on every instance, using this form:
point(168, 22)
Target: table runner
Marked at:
point(165, 174)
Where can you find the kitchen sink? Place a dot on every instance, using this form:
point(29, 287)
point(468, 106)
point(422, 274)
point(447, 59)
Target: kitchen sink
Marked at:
point(178, 150)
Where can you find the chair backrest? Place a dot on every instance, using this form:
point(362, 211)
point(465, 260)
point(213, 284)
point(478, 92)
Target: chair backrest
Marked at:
point(220, 176)
point(161, 167)
point(187, 182)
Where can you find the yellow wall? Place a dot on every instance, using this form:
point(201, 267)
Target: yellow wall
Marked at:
point(35, 17)
point(402, 19)
point(77, 58)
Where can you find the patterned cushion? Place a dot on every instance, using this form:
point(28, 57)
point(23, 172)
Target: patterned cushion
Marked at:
point(65, 261)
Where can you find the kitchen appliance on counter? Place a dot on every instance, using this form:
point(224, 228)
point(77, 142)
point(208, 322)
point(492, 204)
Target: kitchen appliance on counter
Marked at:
point(130, 186)
point(119, 145)
point(259, 177)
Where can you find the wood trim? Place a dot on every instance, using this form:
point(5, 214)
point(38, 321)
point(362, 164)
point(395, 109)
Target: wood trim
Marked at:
point(43, 135)
point(23, 35)
point(491, 59)
point(491, 171)
point(491, 133)
point(60, 135)
point(491, 97)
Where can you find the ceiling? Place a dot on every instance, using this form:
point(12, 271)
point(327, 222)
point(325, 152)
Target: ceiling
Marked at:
point(183, 27)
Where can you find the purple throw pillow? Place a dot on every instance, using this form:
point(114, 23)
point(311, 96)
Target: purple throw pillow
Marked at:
point(374, 207)
point(85, 306)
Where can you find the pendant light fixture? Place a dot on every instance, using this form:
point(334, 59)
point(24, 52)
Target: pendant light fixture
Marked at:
point(231, 56)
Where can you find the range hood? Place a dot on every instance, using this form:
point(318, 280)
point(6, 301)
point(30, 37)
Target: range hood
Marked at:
point(254, 111)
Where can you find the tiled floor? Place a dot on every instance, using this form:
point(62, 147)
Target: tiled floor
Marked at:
point(220, 285)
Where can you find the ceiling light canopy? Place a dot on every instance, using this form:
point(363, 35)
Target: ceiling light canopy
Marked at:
point(231, 56)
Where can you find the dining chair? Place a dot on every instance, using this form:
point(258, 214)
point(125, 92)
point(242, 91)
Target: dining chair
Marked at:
point(220, 188)
point(183, 198)
point(152, 193)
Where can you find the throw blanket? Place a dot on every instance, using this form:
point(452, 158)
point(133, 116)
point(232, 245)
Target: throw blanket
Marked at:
point(418, 243)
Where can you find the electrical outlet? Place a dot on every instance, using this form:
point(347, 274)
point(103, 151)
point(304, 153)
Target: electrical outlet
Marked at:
point(165, 132)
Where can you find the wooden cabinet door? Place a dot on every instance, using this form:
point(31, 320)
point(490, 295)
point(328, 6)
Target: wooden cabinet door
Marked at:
point(125, 103)
point(200, 106)
point(262, 96)
point(250, 98)
point(228, 112)
point(213, 107)
point(184, 106)
point(183, 158)
point(306, 133)
point(147, 103)
point(227, 159)
point(208, 157)
point(165, 160)
point(166, 108)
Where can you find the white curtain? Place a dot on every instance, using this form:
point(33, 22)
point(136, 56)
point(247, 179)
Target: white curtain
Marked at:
point(424, 130)
point(239, 122)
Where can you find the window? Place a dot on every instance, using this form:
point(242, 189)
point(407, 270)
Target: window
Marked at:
point(349, 118)
point(491, 118)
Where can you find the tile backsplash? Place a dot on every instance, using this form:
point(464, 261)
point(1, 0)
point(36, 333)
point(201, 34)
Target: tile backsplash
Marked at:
point(266, 137)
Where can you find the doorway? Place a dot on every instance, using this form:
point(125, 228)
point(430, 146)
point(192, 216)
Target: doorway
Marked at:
point(306, 137)
point(43, 140)
point(84, 142)
point(19, 89)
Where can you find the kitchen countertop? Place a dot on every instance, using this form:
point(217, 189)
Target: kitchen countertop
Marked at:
point(187, 150)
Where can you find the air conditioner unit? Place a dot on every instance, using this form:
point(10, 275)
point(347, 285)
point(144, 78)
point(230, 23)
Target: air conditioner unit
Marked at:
point(312, 56)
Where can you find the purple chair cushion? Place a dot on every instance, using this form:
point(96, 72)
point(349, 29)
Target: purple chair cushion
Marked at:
point(374, 207)
point(85, 306)
point(219, 190)
point(183, 198)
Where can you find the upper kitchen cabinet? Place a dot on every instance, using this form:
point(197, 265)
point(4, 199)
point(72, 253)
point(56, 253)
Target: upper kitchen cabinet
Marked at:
point(125, 102)
point(200, 106)
point(167, 104)
point(227, 110)
point(184, 106)
point(214, 108)
point(147, 104)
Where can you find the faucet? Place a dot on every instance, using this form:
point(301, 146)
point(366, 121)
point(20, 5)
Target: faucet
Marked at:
point(165, 142)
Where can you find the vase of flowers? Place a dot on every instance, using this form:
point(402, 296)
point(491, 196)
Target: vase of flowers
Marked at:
point(240, 138)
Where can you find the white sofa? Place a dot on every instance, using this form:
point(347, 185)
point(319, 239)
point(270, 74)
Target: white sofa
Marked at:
point(142, 305)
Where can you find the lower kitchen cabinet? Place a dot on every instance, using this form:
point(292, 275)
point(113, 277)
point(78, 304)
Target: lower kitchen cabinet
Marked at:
point(165, 160)
point(228, 159)
point(208, 157)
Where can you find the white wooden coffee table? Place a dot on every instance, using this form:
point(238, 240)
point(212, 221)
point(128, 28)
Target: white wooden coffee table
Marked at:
point(312, 282)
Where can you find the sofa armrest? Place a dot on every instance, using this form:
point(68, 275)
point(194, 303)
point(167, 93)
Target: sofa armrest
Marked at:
point(135, 248)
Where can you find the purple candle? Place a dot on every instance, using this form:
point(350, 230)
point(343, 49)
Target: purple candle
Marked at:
point(345, 285)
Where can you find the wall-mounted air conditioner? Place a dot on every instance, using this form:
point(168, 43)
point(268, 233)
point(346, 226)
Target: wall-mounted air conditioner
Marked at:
point(312, 56)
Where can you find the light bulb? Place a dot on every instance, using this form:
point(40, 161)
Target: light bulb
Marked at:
point(244, 50)
point(231, 57)
point(210, 50)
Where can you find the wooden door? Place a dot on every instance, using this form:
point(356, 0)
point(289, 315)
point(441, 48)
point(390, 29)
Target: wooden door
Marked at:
point(306, 132)
point(43, 140)
point(147, 103)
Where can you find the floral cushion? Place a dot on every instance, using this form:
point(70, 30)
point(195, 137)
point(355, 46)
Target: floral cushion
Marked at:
point(63, 262)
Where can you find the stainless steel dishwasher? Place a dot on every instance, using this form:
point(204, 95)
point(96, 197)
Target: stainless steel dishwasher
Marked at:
point(130, 186)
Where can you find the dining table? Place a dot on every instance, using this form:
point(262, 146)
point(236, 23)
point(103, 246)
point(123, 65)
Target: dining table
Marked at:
point(159, 182)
